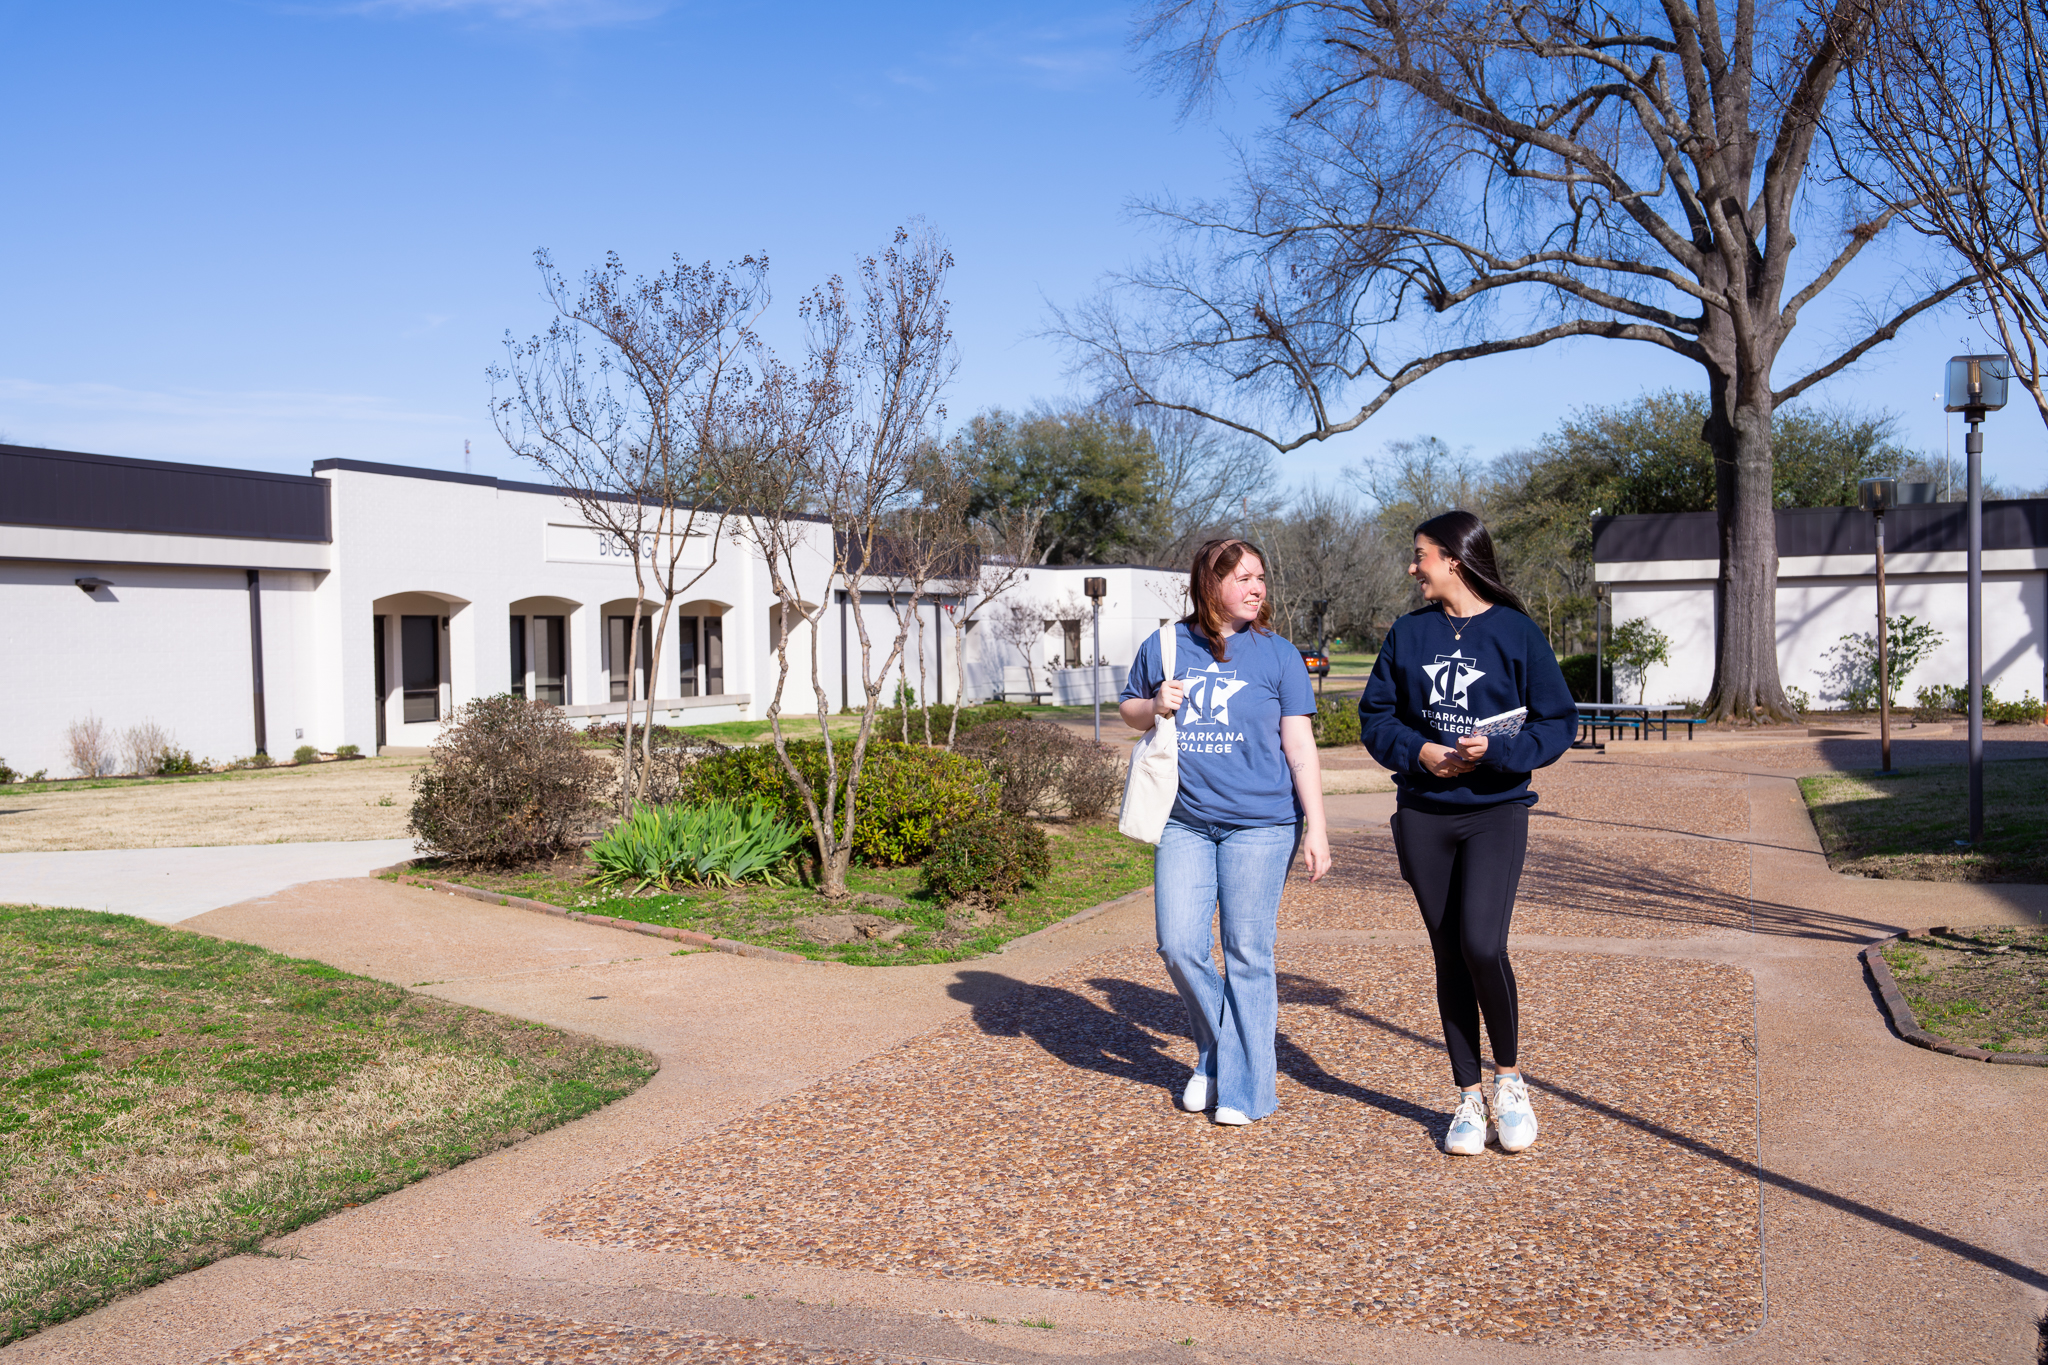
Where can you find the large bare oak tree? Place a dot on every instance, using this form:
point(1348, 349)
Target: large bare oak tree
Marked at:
point(1455, 179)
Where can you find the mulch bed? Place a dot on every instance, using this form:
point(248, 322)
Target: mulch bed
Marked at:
point(425, 1336)
point(1035, 1143)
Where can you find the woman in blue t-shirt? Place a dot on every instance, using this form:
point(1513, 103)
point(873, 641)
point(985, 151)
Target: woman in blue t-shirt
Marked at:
point(1461, 821)
point(1251, 792)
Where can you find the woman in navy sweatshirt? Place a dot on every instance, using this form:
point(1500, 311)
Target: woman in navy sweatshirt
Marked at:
point(1461, 821)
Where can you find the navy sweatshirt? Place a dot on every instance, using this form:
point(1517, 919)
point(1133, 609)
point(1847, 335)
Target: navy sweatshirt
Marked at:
point(1428, 686)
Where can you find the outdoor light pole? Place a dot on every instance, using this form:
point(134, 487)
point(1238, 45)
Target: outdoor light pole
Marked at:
point(1877, 495)
point(1097, 589)
point(1599, 642)
point(1976, 385)
point(1321, 607)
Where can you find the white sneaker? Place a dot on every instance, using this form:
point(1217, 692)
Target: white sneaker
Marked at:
point(1468, 1125)
point(1232, 1118)
point(1197, 1096)
point(1513, 1118)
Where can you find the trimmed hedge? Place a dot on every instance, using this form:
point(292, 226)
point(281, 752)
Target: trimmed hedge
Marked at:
point(1336, 719)
point(908, 796)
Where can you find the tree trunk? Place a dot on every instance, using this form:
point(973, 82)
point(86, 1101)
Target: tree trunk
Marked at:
point(1746, 686)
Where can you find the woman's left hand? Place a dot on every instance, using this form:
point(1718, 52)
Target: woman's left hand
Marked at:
point(1315, 848)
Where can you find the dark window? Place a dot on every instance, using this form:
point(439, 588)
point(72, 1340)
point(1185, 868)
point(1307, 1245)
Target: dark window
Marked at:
point(518, 656)
point(419, 656)
point(620, 629)
point(1073, 634)
point(686, 652)
point(383, 680)
point(550, 670)
point(714, 656)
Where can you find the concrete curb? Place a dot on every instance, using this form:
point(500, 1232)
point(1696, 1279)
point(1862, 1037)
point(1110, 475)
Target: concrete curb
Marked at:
point(1908, 1025)
point(694, 939)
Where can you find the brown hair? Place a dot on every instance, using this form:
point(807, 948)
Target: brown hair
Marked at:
point(1214, 562)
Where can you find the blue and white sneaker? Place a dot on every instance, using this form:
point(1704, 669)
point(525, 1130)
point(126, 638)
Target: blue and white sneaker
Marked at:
point(1468, 1125)
point(1513, 1118)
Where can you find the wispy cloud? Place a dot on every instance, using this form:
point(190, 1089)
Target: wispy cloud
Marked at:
point(558, 14)
point(1060, 55)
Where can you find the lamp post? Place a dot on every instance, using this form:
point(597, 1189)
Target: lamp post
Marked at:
point(1599, 641)
point(1097, 589)
point(1976, 385)
point(1321, 606)
point(1877, 496)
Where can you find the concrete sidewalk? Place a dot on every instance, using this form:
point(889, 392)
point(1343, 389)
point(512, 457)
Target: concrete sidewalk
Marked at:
point(1901, 1192)
point(169, 885)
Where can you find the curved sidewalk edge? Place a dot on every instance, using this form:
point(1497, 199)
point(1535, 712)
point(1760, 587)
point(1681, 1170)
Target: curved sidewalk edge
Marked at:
point(1908, 1024)
point(168, 885)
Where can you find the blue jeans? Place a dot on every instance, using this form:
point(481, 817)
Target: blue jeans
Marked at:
point(1199, 871)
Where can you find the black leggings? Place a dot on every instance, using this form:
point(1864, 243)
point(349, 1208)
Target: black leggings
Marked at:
point(1464, 868)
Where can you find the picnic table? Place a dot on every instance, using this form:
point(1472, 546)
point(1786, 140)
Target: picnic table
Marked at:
point(1619, 717)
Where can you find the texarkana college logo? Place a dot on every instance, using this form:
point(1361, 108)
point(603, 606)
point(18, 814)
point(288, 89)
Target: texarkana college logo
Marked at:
point(1450, 677)
point(1209, 691)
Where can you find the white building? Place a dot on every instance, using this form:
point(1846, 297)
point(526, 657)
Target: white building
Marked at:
point(1663, 569)
point(246, 611)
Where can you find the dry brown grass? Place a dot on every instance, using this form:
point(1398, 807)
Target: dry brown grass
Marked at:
point(263, 806)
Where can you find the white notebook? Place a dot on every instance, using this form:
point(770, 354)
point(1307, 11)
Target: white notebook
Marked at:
point(1504, 725)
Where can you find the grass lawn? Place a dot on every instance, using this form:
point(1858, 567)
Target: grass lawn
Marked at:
point(170, 1099)
point(1983, 988)
point(890, 922)
point(1906, 825)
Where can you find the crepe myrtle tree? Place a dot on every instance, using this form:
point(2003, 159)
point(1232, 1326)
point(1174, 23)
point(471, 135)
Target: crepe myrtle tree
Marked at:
point(831, 447)
point(626, 403)
point(1451, 180)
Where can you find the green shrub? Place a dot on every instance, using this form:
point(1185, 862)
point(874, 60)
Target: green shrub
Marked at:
point(1046, 769)
point(889, 723)
point(2027, 711)
point(507, 781)
point(349, 751)
point(1336, 719)
point(175, 762)
point(254, 761)
point(1940, 698)
point(994, 858)
point(1578, 676)
point(7, 774)
point(715, 844)
point(908, 794)
point(305, 753)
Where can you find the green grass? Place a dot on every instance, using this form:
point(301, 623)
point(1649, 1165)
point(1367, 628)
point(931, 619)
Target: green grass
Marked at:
point(167, 1099)
point(1983, 988)
point(1091, 864)
point(1905, 826)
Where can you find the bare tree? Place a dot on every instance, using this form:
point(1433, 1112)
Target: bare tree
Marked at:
point(638, 435)
point(1004, 547)
point(1459, 180)
point(1950, 132)
point(833, 451)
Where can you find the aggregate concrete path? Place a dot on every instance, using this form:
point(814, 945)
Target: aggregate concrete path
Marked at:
point(1902, 1192)
point(170, 885)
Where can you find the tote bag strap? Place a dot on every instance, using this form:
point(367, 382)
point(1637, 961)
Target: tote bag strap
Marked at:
point(1167, 633)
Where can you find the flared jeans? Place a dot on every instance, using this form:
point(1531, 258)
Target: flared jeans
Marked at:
point(1232, 875)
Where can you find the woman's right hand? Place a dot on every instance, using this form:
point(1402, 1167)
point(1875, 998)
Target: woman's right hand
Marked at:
point(1168, 699)
point(1440, 760)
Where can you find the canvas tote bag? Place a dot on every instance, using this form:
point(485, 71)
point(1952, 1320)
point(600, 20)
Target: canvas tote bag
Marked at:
point(1153, 783)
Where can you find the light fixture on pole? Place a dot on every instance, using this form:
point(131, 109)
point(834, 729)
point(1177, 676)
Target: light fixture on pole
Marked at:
point(1877, 496)
point(1599, 595)
point(1976, 385)
point(1097, 589)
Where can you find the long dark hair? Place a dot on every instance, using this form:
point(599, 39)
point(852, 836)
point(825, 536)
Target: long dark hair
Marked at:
point(1464, 538)
point(1215, 561)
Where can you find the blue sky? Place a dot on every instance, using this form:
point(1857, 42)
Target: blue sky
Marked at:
point(261, 234)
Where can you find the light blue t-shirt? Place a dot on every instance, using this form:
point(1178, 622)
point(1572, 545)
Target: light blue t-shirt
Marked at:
point(1232, 770)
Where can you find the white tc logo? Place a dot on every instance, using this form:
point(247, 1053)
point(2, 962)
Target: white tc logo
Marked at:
point(1449, 679)
point(1208, 695)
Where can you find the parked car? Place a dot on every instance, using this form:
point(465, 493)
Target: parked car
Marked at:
point(1318, 660)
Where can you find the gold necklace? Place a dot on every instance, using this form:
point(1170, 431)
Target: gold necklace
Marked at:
point(1459, 623)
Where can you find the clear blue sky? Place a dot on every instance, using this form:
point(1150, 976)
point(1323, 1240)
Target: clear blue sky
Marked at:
point(265, 233)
